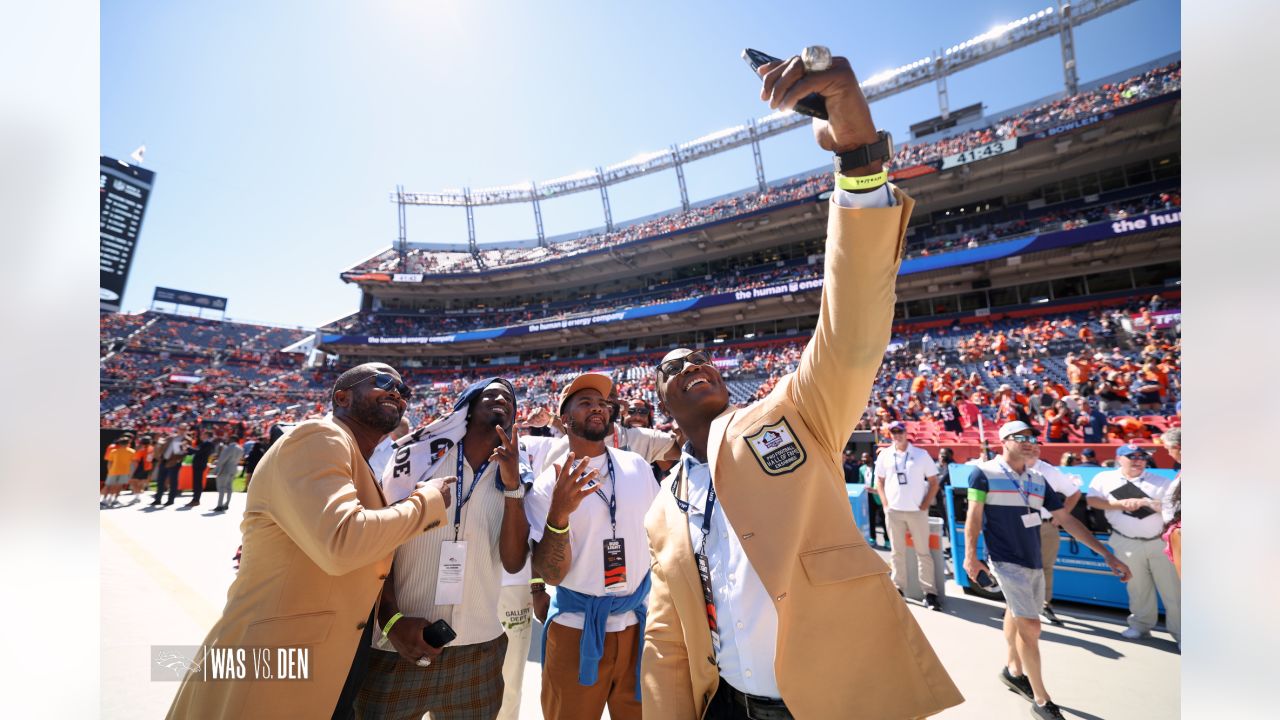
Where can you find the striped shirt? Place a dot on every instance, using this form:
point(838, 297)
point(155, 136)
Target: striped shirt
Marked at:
point(1007, 498)
point(417, 562)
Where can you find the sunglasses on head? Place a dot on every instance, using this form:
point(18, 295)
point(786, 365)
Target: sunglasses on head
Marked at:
point(387, 383)
point(672, 367)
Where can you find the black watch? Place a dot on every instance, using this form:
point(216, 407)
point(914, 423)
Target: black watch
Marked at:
point(881, 150)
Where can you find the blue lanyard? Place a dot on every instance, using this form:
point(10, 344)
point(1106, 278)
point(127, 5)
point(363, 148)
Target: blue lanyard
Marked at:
point(612, 500)
point(1026, 498)
point(462, 499)
point(707, 512)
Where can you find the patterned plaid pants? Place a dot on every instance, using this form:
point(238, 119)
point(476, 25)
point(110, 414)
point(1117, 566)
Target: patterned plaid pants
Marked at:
point(464, 683)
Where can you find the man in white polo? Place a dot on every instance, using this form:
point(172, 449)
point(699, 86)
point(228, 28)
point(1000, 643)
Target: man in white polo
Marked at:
point(1133, 500)
point(907, 480)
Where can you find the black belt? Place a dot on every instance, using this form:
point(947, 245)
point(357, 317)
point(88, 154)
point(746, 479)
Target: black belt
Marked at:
point(757, 707)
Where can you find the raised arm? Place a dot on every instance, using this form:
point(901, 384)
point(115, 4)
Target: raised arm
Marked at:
point(863, 251)
point(317, 506)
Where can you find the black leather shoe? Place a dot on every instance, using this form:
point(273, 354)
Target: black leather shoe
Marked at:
point(932, 602)
point(168, 503)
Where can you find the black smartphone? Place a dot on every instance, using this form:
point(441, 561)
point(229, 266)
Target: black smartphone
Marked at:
point(438, 634)
point(812, 104)
point(986, 582)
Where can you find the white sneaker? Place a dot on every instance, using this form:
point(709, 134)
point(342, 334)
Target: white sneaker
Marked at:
point(1132, 633)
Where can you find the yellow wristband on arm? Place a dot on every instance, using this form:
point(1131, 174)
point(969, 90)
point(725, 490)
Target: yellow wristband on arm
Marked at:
point(863, 183)
point(557, 530)
point(382, 641)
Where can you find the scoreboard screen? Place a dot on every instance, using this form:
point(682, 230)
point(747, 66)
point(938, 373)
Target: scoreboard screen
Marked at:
point(123, 191)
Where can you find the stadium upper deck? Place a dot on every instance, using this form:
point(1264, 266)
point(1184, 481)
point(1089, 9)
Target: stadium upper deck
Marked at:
point(1051, 119)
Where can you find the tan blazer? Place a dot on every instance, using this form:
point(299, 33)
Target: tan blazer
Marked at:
point(318, 542)
point(847, 646)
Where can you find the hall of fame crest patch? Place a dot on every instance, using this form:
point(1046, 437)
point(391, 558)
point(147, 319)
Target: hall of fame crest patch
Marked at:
point(776, 448)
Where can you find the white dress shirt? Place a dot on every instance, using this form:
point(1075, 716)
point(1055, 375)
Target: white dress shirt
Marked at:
point(748, 620)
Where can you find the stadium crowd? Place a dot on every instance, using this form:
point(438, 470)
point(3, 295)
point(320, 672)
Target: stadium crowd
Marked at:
point(1079, 377)
point(921, 242)
point(1109, 96)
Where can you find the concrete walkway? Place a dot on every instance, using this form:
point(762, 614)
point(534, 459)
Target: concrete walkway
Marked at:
point(165, 574)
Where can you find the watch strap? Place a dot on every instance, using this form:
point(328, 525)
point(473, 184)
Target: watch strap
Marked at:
point(880, 150)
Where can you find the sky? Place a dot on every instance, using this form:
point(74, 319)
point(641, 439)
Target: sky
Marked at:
point(278, 130)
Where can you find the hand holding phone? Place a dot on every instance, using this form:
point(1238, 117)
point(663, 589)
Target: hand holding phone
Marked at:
point(812, 104)
point(438, 634)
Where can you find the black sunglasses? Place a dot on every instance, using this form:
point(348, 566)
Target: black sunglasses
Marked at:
point(387, 383)
point(637, 411)
point(673, 366)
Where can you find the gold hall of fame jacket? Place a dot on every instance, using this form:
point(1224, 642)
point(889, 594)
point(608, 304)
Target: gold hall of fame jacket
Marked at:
point(847, 647)
point(318, 543)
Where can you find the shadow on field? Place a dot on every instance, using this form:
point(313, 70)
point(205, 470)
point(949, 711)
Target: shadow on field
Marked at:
point(993, 617)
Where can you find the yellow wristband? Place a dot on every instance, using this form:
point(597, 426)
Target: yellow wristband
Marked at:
point(382, 641)
point(537, 581)
point(863, 183)
point(557, 530)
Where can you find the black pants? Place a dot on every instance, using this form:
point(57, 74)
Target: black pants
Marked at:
point(169, 475)
point(875, 513)
point(722, 707)
point(197, 481)
point(346, 708)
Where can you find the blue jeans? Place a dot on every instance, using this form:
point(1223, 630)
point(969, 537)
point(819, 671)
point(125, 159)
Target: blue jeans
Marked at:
point(170, 475)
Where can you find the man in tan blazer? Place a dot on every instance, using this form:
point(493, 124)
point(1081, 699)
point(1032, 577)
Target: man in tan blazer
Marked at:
point(318, 542)
point(806, 622)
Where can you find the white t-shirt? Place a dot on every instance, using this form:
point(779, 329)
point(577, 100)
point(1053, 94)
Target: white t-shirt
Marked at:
point(915, 467)
point(589, 527)
point(1068, 485)
point(1155, 486)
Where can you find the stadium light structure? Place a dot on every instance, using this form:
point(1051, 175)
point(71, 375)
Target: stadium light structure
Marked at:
point(999, 40)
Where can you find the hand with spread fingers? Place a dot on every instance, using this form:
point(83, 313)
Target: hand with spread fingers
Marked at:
point(507, 455)
point(849, 125)
point(573, 484)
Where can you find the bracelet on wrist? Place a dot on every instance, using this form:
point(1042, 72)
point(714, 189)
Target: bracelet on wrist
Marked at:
point(862, 184)
point(557, 530)
point(382, 641)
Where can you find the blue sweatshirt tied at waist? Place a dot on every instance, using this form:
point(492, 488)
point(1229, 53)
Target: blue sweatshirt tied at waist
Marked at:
point(597, 610)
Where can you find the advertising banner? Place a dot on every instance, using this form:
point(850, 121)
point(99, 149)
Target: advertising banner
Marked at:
point(194, 299)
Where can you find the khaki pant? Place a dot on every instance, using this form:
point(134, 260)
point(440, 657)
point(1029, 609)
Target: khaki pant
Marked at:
point(917, 522)
point(1050, 541)
point(1152, 572)
point(564, 698)
point(515, 612)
